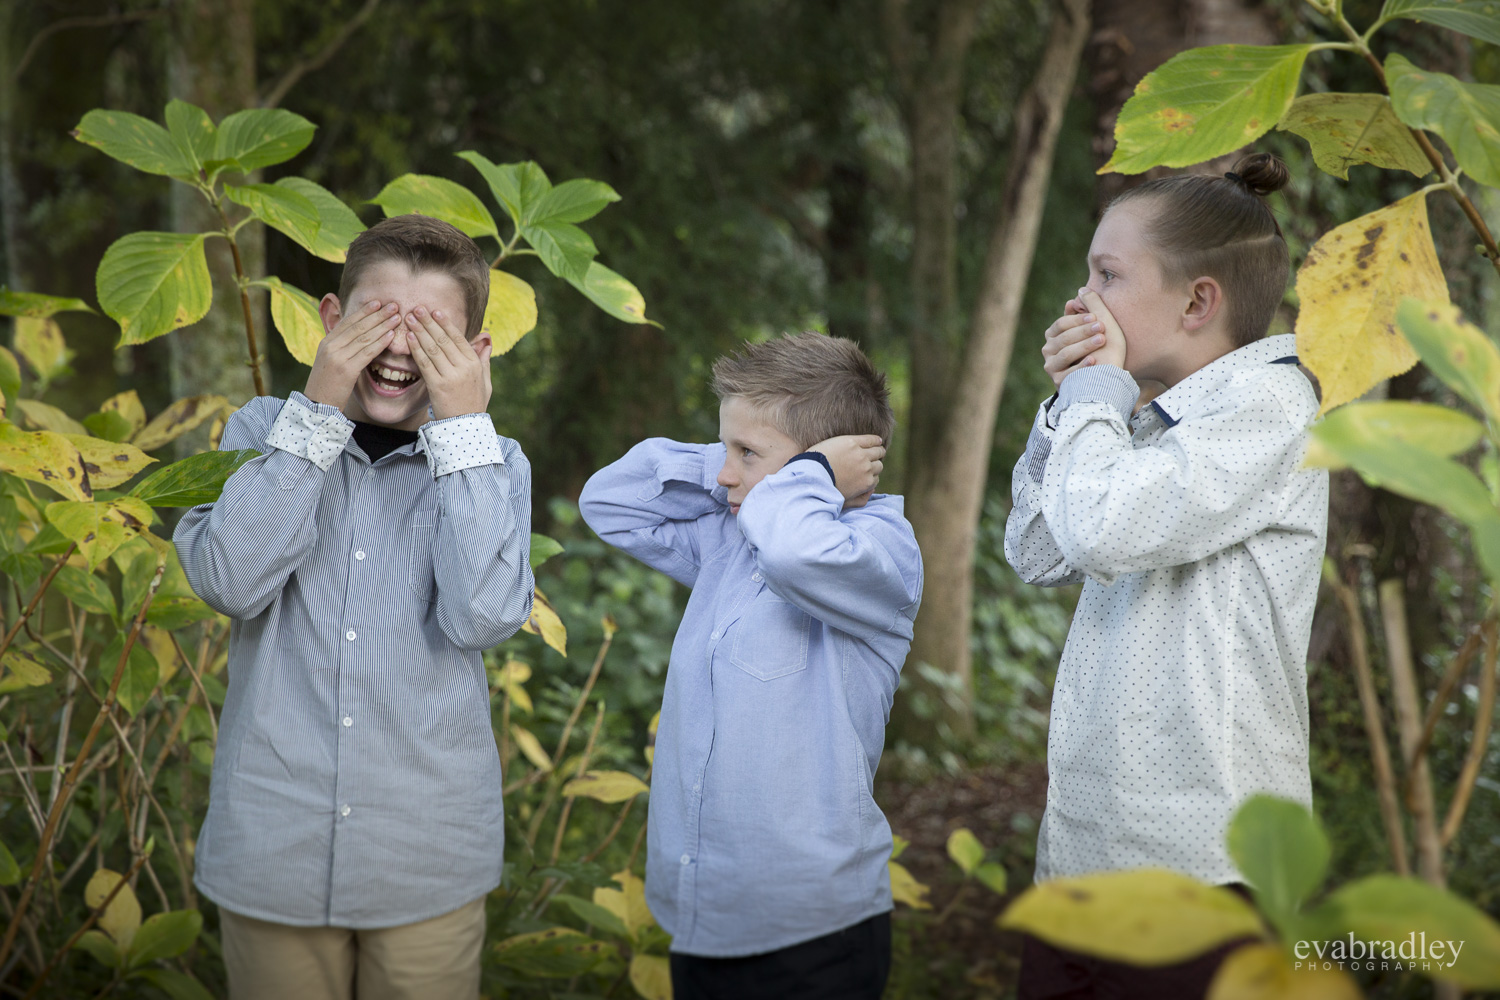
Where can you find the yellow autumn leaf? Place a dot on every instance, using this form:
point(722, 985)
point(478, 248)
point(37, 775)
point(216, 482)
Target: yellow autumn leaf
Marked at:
point(606, 786)
point(651, 738)
point(159, 642)
point(1350, 285)
point(122, 918)
point(100, 528)
point(177, 419)
point(109, 463)
point(531, 747)
point(1265, 972)
point(545, 623)
point(510, 313)
point(128, 405)
point(906, 889)
point(510, 678)
point(1148, 916)
point(628, 903)
point(295, 314)
point(40, 341)
point(651, 975)
point(46, 417)
point(44, 457)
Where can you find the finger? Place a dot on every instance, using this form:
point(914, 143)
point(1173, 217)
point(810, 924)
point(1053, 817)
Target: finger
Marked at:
point(366, 352)
point(1071, 322)
point(876, 468)
point(442, 339)
point(417, 333)
point(366, 320)
point(1074, 353)
point(420, 355)
point(867, 441)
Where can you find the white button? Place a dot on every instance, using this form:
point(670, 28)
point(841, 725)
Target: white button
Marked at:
point(715, 636)
point(348, 722)
point(685, 859)
point(755, 577)
point(344, 811)
point(349, 635)
point(360, 554)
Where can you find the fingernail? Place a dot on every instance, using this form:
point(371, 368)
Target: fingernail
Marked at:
point(419, 311)
point(1090, 360)
point(1098, 340)
point(437, 314)
point(1088, 318)
point(391, 308)
point(1098, 326)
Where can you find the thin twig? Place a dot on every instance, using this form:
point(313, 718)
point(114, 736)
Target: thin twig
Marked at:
point(1479, 744)
point(1419, 800)
point(302, 67)
point(1445, 689)
point(101, 21)
point(36, 598)
point(567, 733)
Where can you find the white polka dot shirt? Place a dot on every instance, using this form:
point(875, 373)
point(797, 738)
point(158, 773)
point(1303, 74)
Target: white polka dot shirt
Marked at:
point(1199, 537)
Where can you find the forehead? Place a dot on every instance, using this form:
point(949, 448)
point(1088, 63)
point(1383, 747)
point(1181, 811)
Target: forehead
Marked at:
point(1122, 231)
point(394, 281)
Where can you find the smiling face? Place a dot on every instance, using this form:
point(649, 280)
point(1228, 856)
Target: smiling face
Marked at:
point(1125, 272)
point(754, 448)
point(390, 391)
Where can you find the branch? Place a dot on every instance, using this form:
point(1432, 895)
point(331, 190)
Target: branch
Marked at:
point(36, 598)
point(304, 66)
point(1408, 721)
point(1479, 744)
point(1439, 703)
point(101, 21)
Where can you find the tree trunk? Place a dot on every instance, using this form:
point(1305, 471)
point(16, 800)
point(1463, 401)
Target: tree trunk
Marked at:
point(212, 64)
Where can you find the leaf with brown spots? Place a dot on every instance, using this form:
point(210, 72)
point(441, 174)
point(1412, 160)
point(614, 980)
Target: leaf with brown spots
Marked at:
point(1147, 916)
point(1459, 353)
point(128, 405)
point(40, 342)
point(545, 623)
point(1347, 129)
point(1466, 115)
point(44, 457)
point(554, 953)
point(177, 419)
point(109, 463)
point(46, 417)
point(100, 527)
point(34, 304)
point(1350, 285)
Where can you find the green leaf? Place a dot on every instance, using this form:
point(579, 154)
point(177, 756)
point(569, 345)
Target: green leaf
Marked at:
point(46, 417)
point(260, 137)
point(297, 319)
point(992, 876)
point(1346, 129)
point(172, 613)
point(85, 590)
point(193, 131)
point(516, 186)
point(1433, 428)
point(439, 198)
point(138, 141)
point(543, 548)
point(139, 679)
point(109, 425)
point(100, 527)
point(99, 945)
point(281, 208)
point(40, 342)
point(177, 985)
point(165, 935)
point(593, 914)
point(23, 669)
point(154, 283)
point(1282, 852)
point(25, 569)
point(338, 225)
point(1409, 470)
point(564, 248)
point(10, 872)
point(1457, 352)
point(1388, 908)
point(1204, 103)
point(613, 294)
point(1476, 18)
point(555, 953)
point(1466, 115)
point(38, 306)
point(571, 201)
point(197, 479)
point(965, 850)
point(10, 376)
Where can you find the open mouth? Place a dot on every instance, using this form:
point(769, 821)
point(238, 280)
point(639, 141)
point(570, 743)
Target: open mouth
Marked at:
point(391, 381)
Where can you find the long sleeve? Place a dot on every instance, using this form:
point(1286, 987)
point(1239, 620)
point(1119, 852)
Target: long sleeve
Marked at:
point(1029, 546)
point(239, 551)
point(481, 556)
point(1209, 482)
point(859, 571)
point(650, 503)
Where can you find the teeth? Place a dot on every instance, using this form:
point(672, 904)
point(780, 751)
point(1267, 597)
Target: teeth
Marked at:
point(393, 374)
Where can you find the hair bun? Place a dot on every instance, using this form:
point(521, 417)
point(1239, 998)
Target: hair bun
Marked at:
point(1260, 173)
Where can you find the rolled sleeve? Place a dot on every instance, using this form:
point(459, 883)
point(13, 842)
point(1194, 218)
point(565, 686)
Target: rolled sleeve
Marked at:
point(462, 442)
point(314, 431)
point(1104, 384)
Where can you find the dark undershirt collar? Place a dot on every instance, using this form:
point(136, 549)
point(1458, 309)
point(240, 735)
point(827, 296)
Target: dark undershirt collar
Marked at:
point(378, 441)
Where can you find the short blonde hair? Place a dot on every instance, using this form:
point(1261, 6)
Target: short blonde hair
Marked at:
point(810, 386)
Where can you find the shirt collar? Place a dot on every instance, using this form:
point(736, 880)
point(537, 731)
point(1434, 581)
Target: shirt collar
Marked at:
point(1170, 405)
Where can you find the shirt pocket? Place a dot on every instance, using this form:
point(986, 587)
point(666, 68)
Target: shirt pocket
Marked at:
point(770, 639)
point(423, 534)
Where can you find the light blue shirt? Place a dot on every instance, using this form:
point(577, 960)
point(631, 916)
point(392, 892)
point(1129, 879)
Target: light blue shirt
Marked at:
point(356, 781)
point(763, 829)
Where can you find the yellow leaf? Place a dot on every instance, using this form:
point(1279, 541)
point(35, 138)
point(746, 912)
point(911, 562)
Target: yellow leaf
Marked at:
point(128, 405)
point(40, 342)
point(651, 975)
point(295, 314)
point(545, 623)
point(159, 641)
point(510, 677)
point(100, 528)
point(1148, 916)
point(177, 419)
point(510, 313)
point(122, 917)
point(651, 738)
point(899, 844)
point(965, 850)
point(46, 417)
point(44, 457)
point(606, 786)
point(1354, 278)
point(109, 463)
point(1265, 972)
point(531, 747)
point(628, 903)
point(906, 889)
point(23, 669)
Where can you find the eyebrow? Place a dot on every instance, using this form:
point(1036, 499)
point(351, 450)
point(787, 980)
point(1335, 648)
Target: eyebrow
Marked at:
point(1095, 258)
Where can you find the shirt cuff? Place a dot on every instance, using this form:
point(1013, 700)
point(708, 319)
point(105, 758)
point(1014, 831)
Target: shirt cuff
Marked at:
point(820, 458)
point(314, 431)
point(461, 442)
point(1038, 448)
point(1102, 384)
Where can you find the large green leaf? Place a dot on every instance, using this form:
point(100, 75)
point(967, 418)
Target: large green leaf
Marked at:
point(281, 208)
point(260, 137)
point(1409, 470)
point(138, 141)
point(516, 186)
point(612, 293)
point(165, 935)
point(564, 248)
point(1477, 18)
point(1458, 352)
point(1346, 129)
point(40, 306)
point(555, 953)
point(1437, 429)
point(440, 198)
point(100, 527)
point(23, 668)
point(86, 590)
point(1466, 115)
point(1204, 103)
point(542, 549)
point(100, 945)
point(193, 131)
point(10, 377)
point(139, 678)
point(197, 479)
point(1282, 852)
point(593, 914)
point(296, 316)
point(571, 201)
point(1408, 912)
point(338, 225)
point(154, 283)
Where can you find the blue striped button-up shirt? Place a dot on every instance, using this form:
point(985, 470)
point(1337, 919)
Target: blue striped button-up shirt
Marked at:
point(763, 829)
point(356, 782)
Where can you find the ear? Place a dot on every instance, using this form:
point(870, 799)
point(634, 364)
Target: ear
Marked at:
point(1205, 303)
point(482, 341)
point(330, 311)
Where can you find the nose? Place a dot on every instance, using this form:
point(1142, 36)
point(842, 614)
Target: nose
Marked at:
point(399, 343)
point(726, 478)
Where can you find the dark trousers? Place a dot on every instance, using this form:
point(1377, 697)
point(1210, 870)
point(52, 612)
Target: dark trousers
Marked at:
point(1050, 973)
point(851, 964)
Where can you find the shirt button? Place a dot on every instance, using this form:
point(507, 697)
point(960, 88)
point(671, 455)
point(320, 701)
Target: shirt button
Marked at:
point(685, 859)
point(344, 811)
point(348, 722)
point(360, 554)
point(349, 635)
point(755, 577)
point(715, 636)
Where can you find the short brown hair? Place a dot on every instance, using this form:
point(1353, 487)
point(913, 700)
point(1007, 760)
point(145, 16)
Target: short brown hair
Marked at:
point(811, 387)
point(423, 243)
point(1222, 228)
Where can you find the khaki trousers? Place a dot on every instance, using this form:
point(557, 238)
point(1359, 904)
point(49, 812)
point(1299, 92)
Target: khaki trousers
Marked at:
point(435, 959)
